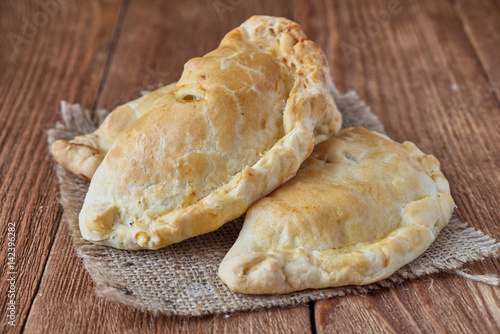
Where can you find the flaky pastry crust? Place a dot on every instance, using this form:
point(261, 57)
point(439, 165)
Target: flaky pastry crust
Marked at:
point(360, 207)
point(238, 124)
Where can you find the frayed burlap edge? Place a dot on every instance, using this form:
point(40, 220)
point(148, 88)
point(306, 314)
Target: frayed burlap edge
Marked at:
point(182, 278)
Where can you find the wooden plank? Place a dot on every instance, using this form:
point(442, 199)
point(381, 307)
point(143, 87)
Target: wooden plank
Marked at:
point(418, 72)
point(156, 39)
point(48, 52)
point(482, 27)
point(436, 304)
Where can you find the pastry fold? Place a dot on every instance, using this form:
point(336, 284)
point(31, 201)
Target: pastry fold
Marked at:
point(360, 207)
point(238, 123)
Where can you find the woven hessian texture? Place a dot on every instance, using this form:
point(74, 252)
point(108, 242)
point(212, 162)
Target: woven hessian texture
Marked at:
point(182, 278)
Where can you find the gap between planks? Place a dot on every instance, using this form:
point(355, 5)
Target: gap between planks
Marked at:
point(111, 52)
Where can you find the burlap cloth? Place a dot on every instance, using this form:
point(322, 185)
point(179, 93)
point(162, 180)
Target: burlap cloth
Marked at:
point(182, 278)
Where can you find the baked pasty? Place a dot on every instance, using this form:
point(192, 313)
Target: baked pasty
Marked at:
point(237, 125)
point(83, 154)
point(360, 207)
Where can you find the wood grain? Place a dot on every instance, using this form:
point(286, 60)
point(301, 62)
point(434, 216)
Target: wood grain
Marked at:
point(424, 85)
point(415, 307)
point(46, 55)
point(428, 69)
point(481, 24)
point(173, 37)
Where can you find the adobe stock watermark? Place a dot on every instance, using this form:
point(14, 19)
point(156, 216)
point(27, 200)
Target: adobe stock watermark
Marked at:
point(11, 313)
point(468, 105)
point(223, 6)
point(30, 25)
point(153, 79)
point(364, 35)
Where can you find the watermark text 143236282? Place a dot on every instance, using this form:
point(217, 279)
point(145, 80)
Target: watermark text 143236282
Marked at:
point(11, 274)
point(30, 24)
point(362, 36)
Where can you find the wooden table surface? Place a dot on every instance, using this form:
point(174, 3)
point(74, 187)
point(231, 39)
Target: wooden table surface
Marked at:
point(429, 69)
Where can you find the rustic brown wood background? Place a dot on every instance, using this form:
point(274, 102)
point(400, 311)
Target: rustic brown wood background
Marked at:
point(430, 70)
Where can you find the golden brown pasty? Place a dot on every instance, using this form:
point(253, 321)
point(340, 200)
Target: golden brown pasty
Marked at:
point(237, 125)
point(360, 207)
